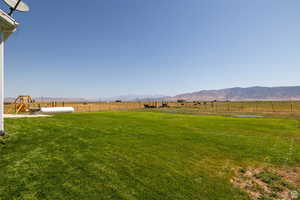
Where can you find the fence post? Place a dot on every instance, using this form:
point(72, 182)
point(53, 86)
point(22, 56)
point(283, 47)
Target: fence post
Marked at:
point(255, 108)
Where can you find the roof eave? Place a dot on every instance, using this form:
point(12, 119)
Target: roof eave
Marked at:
point(8, 25)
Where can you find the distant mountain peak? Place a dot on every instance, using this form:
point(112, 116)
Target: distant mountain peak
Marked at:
point(243, 94)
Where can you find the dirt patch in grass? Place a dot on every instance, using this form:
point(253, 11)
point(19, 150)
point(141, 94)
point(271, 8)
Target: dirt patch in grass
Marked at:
point(292, 175)
point(269, 183)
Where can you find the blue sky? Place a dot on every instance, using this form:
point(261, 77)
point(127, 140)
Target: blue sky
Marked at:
point(116, 47)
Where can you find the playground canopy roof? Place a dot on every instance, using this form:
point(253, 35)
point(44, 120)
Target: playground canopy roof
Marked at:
point(7, 24)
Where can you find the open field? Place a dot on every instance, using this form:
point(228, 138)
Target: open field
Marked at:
point(144, 155)
point(283, 107)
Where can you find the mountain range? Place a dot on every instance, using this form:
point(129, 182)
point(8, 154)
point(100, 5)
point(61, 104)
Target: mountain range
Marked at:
point(289, 93)
point(243, 94)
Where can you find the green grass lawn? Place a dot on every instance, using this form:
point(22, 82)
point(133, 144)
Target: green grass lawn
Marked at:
point(139, 155)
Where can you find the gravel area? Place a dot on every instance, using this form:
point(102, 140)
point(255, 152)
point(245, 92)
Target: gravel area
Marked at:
point(24, 115)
